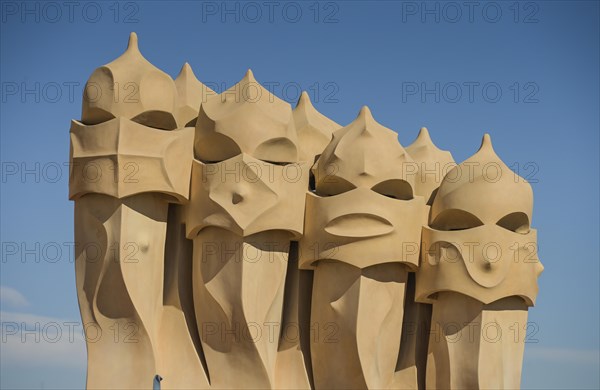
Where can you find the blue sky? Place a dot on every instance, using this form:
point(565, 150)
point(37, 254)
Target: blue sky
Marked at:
point(526, 72)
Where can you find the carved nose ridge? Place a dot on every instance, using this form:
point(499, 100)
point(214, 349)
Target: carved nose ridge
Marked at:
point(236, 198)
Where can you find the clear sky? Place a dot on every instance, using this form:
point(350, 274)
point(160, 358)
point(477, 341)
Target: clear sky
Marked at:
point(526, 72)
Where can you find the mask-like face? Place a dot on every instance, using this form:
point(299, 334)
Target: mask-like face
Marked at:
point(246, 196)
point(479, 242)
point(108, 158)
point(120, 148)
point(364, 211)
point(247, 177)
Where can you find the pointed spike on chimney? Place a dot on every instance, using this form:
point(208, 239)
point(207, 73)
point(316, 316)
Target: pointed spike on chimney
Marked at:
point(365, 113)
point(133, 42)
point(186, 71)
point(249, 75)
point(365, 118)
point(486, 143)
point(424, 135)
point(304, 99)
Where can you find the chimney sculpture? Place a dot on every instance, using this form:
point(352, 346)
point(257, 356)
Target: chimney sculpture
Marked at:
point(246, 205)
point(128, 162)
point(431, 164)
point(479, 269)
point(226, 241)
point(361, 238)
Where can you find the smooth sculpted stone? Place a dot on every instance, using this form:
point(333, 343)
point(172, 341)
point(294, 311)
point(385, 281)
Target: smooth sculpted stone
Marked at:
point(246, 206)
point(130, 87)
point(249, 119)
point(432, 164)
point(479, 269)
point(125, 171)
point(226, 241)
point(363, 211)
point(314, 129)
point(361, 239)
point(191, 94)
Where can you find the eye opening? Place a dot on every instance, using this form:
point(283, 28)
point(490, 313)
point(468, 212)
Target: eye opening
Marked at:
point(280, 163)
point(312, 184)
point(95, 115)
point(161, 120)
point(334, 185)
point(211, 147)
point(395, 189)
point(455, 219)
point(517, 222)
point(278, 151)
point(432, 197)
point(192, 123)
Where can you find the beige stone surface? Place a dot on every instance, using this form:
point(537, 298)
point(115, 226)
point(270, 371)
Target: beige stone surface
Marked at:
point(479, 241)
point(294, 367)
point(479, 269)
point(238, 295)
point(246, 118)
point(361, 238)
point(119, 272)
point(226, 241)
point(108, 158)
point(191, 93)
point(476, 346)
point(365, 154)
point(125, 169)
point(314, 129)
point(132, 88)
point(363, 211)
point(432, 164)
point(247, 196)
point(246, 205)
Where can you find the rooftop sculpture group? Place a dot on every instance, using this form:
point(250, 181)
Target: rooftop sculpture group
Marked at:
point(232, 242)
